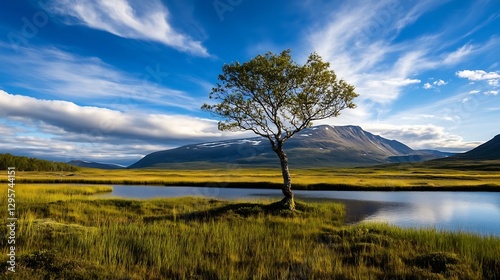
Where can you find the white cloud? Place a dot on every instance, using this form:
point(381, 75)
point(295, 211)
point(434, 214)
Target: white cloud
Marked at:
point(478, 75)
point(7, 130)
point(439, 83)
point(492, 92)
point(61, 130)
point(492, 78)
point(144, 20)
point(423, 136)
point(109, 123)
point(493, 83)
point(474, 91)
point(121, 151)
point(392, 82)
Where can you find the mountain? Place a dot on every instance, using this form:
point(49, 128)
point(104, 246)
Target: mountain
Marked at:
point(419, 156)
point(437, 153)
point(88, 164)
point(485, 157)
point(487, 151)
point(319, 146)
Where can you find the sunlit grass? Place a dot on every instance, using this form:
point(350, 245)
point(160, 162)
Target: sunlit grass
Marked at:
point(358, 178)
point(67, 234)
point(28, 193)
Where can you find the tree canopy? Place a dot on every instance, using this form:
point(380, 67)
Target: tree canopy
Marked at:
point(22, 163)
point(275, 97)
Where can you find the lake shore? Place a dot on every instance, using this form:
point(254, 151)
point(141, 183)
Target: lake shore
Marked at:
point(267, 185)
point(370, 178)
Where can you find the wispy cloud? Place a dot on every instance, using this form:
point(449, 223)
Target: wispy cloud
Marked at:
point(405, 18)
point(448, 118)
point(361, 40)
point(482, 24)
point(65, 75)
point(145, 20)
point(460, 54)
point(361, 48)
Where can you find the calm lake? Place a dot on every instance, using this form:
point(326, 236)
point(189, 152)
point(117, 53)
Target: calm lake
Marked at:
point(477, 212)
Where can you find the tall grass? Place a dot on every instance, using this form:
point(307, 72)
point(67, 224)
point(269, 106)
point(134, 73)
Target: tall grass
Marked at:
point(63, 235)
point(374, 178)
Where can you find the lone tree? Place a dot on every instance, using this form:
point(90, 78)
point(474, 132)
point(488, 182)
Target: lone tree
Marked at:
point(275, 98)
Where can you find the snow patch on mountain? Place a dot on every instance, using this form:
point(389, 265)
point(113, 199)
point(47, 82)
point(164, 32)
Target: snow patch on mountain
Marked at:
point(227, 143)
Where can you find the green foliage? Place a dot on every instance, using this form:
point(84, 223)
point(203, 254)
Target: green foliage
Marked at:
point(275, 98)
point(271, 95)
point(22, 163)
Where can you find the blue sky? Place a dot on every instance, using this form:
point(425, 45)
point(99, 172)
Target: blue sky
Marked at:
point(112, 81)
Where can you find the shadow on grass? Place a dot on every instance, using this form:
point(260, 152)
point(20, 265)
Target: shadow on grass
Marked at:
point(242, 210)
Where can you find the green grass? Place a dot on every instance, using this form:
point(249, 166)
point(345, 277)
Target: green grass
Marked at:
point(392, 177)
point(65, 234)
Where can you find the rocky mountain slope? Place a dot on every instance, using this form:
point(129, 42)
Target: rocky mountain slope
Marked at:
point(319, 146)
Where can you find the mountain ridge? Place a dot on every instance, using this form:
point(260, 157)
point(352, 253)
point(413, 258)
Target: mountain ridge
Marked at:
point(318, 146)
point(91, 164)
point(489, 150)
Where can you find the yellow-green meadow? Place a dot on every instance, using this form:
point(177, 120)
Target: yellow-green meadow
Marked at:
point(410, 176)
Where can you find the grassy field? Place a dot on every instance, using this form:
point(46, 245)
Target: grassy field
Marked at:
point(63, 233)
point(396, 177)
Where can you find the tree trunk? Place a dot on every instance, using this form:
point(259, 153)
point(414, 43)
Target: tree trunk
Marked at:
point(287, 202)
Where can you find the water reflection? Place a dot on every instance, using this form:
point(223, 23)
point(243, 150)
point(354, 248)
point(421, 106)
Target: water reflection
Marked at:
point(450, 215)
point(477, 212)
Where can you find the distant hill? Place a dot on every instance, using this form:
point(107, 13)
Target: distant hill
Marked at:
point(89, 164)
point(319, 146)
point(419, 156)
point(485, 157)
point(487, 151)
point(437, 153)
point(22, 163)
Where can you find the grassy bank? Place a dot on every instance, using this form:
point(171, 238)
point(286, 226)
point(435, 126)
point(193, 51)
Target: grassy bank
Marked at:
point(65, 234)
point(401, 177)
